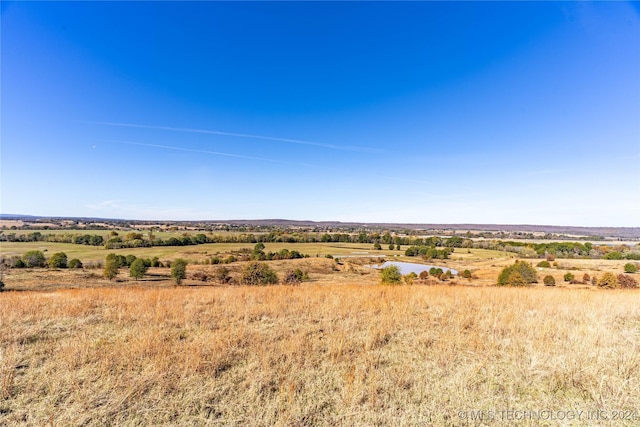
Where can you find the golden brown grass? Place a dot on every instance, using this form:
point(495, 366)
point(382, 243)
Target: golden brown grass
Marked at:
point(313, 354)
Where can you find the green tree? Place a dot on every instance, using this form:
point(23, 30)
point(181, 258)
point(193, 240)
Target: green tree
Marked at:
point(524, 269)
point(34, 259)
point(129, 259)
point(391, 275)
point(467, 274)
point(96, 240)
point(111, 267)
point(118, 260)
point(435, 271)
point(138, 269)
point(179, 270)
point(258, 273)
point(544, 264)
point(75, 263)
point(630, 268)
point(58, 260)
point(549, 280)
point(377, 247)
point(568, 277)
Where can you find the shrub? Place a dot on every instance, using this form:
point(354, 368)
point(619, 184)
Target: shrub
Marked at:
point(328, 256)
point(138, 269)
point(467, 274)
point(34, 259)
point(423, 275)
point(58, 260)
point(586, 278)
point(391, 275)
point(75, 263)
point(525, 271)
point(550, 257)
point(200, 275)
point(258, 273)
point(544, 264)
point(515, 279)
point(549, 280)
point(377, 246)
point(295, 277)
point(630, 268)
point(613, 255)
point(179, 270)
point(1, 285)
point(155, 262)
point(433, 271)
point(221, 274)
point(608, 280)
point(409, 278)
point(568, 277)
point(627, 281)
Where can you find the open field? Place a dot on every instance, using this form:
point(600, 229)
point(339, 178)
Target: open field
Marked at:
point(201, 252)
point(484, 264)
point(316, 355)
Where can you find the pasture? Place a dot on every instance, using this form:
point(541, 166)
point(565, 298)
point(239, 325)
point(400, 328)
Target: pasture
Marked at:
point(351, 354)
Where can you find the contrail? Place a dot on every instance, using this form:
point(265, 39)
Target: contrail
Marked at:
point(215, 153)
point(241, 135)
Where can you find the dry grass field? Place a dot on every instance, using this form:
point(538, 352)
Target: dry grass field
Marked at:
point(317, 354)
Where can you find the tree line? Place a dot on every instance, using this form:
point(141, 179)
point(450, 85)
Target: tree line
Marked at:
point(522, 249)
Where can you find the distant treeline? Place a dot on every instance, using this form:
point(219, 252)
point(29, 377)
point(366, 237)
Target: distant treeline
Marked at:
point(86, 239)
point(423, 244)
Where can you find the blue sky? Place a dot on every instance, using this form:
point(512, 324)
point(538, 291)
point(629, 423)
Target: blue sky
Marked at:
point(433, 112)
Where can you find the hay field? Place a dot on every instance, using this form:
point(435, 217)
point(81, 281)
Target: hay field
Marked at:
point(318, 355)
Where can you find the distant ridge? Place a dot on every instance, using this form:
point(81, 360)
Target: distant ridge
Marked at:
point(628, 232)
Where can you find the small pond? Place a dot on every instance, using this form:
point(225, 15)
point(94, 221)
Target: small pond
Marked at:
point(409, 267)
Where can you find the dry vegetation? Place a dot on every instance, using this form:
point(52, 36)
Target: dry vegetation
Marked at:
point(314, 354)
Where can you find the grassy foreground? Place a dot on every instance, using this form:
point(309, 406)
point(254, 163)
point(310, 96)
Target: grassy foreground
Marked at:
point(316, 355)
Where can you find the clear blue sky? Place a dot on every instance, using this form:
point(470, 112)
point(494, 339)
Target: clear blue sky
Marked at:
point(438, 112)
